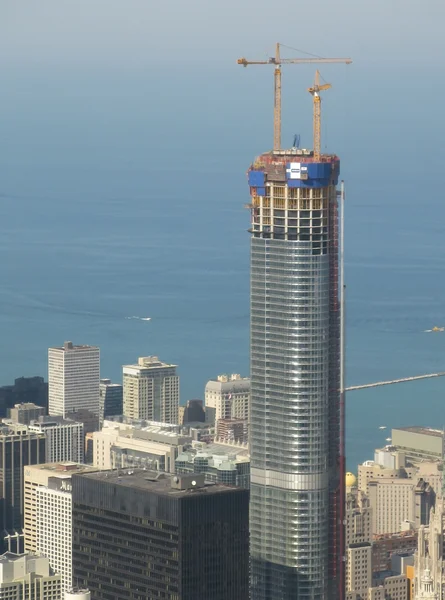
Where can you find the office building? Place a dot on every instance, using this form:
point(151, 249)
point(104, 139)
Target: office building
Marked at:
point(296, 479)
point(111, 399)
point(19, 448)
point(73, 379)
point(173, 537)
point(389, 586)
point(27, 577)
point(49, 526)
point(25, 390)
point(25, 413)
point(399, 503)
point(418, 443)
point(218, 463)
point(151, 390)
point(229, 395)
point(136, 443)
point(89, 419)
point(193, 412)
point(358, 513)
point(64, 438)
point(358, 570)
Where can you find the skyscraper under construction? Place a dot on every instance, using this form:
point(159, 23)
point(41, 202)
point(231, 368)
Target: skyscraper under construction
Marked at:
point(296, 457)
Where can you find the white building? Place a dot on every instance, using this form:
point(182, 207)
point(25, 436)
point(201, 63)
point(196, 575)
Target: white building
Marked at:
point(64, 439)
point(73, 379)
point(151, 390)
point(134, 443)
point(47, 514)
point(54, 527)
point(229, 396)
point(27, 577)
point(77, 594)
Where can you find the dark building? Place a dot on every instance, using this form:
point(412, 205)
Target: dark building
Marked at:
point(25, 390)
point(194, 412)
point(141, 535)
point(18, 448)
point(87, 417)
point(111, 398)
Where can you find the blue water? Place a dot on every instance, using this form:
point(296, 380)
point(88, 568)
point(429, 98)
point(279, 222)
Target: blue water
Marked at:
point(117, 199)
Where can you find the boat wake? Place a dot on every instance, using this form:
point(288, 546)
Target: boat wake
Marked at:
point(139, 318)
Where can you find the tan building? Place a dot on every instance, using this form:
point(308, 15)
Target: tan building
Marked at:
point(151, 390)
point(399, 503)
point(418, 443)
point(358, 570)
point(358, 518)
point(36, 476)
point(229, 396)
point(28, 577)
point(133, 443)
point(370, 470)
point(392, 587)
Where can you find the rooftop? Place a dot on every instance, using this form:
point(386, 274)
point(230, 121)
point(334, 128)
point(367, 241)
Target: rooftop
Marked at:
point(152, 481)
point(65, 467)
point(71, 346)
point(149, 362)
point(421, 430)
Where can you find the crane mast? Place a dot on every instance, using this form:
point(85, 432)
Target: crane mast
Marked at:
point(278, 61)
point(315, 92)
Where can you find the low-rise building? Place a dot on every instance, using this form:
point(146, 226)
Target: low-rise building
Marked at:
point(227, 464)
point(28, 577)
point(64, 438)
point(129, 442)
point(26, 412)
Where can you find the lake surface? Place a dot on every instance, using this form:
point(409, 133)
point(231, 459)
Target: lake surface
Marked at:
point(118, 201)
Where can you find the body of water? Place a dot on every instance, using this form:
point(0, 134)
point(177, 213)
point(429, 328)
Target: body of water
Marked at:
point(117, 202)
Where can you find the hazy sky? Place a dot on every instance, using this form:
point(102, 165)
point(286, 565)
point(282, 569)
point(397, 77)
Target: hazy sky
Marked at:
point(135, 32)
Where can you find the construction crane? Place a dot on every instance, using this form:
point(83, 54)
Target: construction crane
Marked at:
point(278, 61)
point(315, 92)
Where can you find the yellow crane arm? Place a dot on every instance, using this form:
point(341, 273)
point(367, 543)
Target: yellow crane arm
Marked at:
point(278, 61)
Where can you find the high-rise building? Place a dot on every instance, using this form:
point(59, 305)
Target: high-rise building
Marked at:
point(229, 395)
point(295, 511)
point(111, 399)
point(19, 448)
point(48, 514)
point(73, 379)
point(140, 534)
point(64, 438)
point(25, 413)
point(27, 577)
point(151, 390)
point(193, 412)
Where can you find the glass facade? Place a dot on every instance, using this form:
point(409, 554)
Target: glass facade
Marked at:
point(294, 379)
point(136, 538)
